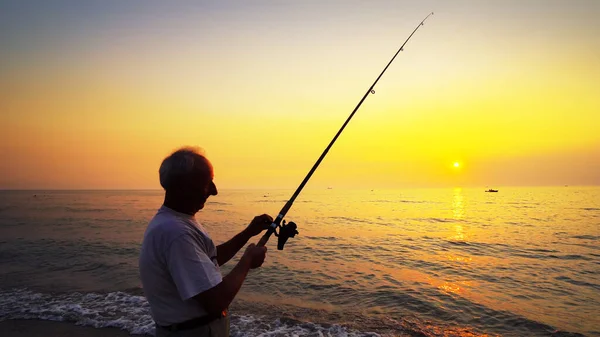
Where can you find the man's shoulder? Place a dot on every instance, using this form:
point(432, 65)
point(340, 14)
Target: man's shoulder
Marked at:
point(165, 224)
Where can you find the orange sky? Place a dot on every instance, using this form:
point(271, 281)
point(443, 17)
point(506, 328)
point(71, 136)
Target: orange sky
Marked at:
point(94, 96)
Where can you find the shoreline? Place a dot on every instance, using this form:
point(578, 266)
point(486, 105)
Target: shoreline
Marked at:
point(42, 328)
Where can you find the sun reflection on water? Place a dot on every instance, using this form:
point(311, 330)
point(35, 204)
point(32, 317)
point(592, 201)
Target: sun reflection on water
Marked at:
point(460, 235)
point(459, 258)
point(458, 210)
point(450, 288)
point(458, 206)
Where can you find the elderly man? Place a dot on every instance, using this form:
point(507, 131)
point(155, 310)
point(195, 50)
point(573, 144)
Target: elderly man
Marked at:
point(179, 263)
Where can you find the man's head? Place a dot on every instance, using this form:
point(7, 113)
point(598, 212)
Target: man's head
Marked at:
point(187, 177)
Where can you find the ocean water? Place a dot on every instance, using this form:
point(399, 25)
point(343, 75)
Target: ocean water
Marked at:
point(419, 262)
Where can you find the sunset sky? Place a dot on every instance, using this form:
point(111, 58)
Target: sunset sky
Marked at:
point(94, 94)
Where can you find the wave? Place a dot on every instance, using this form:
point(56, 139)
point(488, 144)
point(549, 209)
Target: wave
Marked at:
point(132, 313)
point(437, 220)
point(578, 282)
point(586, 237)
point(282, 201)
point(117, 309)
point(385, 201)
point(128, 310)
point(219, 203)
point(350, 219)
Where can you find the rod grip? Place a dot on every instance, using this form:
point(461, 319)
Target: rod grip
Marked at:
point(263, 240)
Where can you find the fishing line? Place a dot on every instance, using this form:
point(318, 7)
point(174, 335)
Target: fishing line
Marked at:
point(290, 230)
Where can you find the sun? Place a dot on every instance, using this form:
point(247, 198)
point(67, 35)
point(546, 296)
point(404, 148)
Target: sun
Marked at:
point(456, 164)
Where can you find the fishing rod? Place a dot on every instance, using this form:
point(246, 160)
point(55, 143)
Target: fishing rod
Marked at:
point(289, 230)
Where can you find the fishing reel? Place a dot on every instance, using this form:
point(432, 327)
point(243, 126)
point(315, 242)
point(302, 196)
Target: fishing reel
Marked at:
point(286, 231)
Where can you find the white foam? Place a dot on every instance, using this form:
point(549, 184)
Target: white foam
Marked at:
point(246, 325)
point(132, 313)
point(118, 309)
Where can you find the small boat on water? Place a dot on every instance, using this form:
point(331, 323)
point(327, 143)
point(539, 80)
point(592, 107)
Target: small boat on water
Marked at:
point(491, 190)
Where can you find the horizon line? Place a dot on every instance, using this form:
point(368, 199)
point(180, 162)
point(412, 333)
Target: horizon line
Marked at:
point(284, 188)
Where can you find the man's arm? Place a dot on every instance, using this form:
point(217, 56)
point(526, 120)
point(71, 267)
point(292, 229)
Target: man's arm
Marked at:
point(228, 249)
point(218, 298)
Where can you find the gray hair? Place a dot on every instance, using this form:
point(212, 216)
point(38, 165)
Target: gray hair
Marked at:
point(180, 164)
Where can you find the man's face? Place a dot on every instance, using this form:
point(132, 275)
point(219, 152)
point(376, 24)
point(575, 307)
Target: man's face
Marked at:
point(203, 186)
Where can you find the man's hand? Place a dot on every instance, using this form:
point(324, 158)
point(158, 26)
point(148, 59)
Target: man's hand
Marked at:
point(254, 255)
point(258, 224)
point(228, 249)
point(219, 297)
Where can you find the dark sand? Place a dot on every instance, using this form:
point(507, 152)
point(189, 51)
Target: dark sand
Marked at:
point(36, 328)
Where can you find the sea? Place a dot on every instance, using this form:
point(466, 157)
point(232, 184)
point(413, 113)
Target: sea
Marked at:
point(524, 261)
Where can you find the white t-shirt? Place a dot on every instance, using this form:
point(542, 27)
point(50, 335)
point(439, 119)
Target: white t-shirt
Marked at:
point(178, 261)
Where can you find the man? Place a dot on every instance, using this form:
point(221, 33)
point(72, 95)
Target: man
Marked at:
point(179, 263)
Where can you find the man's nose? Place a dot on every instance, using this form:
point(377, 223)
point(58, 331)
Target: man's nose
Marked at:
point(213, 189)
